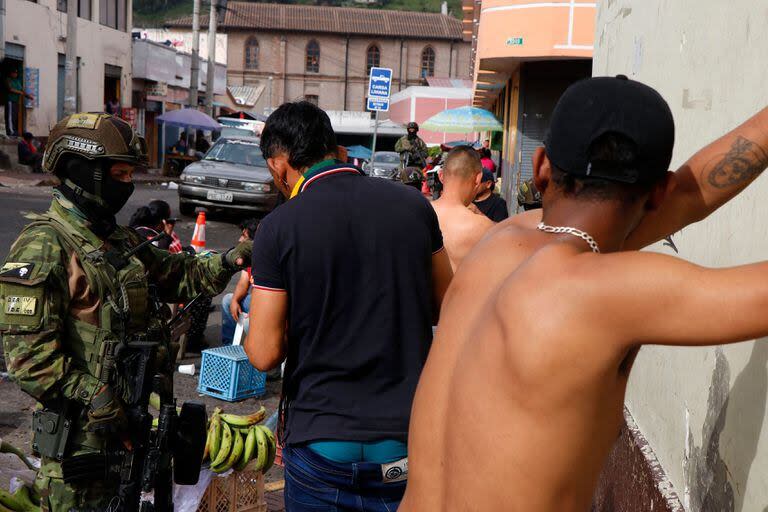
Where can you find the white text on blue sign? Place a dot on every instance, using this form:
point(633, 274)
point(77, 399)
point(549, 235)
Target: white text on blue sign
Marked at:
point(380, 82)
point(380, 104)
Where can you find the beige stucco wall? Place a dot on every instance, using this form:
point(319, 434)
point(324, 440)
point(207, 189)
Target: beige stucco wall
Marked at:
point(703, 410)
point(39, 27)
point(528, 29)
point(182, 41)
point(287, 51)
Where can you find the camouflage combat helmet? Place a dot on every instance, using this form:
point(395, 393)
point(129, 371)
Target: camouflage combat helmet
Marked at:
point(528, 194)
point(94, 135)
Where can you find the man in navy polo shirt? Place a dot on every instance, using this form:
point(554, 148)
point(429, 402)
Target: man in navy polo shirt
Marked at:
point(348, 278)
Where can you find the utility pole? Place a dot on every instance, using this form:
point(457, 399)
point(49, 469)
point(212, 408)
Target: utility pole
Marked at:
point(70, 62)
point(2, 30)
point(375, 133)
point(194, 72)
point(212, 25)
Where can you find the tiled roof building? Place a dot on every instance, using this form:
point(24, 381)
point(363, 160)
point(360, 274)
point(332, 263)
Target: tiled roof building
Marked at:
point(335, 20)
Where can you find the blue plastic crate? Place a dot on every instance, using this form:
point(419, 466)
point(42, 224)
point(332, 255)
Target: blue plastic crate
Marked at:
point(226, 373)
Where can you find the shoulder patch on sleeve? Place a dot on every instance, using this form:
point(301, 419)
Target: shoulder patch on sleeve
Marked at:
point(20, 305)
point(18, 270)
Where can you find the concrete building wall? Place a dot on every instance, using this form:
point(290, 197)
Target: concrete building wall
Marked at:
point(419, 103)
point(159, 63)
point(181, 40)
point(703, 410)
point(41, 29)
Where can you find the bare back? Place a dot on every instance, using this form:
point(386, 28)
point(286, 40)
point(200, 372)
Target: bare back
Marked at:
point(521, 397)
point(487, 393)
point(462, 229)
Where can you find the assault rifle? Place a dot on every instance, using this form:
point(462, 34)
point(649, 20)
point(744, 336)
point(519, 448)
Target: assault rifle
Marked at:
point(147, 460)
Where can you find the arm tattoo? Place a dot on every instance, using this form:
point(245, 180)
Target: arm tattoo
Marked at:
point(743, 162)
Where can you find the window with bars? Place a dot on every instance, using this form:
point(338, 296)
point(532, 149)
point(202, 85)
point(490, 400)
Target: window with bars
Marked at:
point(313, 99)
point(252, 53)
point(313, 57)
point(83, 8)
point(427, 62)
point(372, 58)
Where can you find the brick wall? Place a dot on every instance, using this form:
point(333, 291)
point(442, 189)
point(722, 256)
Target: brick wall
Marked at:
point(284, 55)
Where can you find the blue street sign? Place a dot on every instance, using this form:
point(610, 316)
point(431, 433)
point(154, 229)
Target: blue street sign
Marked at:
point(379, 83)
point(377, 103)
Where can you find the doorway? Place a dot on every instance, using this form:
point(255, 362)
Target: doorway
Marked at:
point(541, 85)
point(112, 100)
point(12, 69)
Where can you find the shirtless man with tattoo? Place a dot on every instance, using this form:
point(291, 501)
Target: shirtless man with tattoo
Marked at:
point(461, 228)
point(521, 397)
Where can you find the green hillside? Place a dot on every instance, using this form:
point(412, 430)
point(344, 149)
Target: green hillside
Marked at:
point(153, 13)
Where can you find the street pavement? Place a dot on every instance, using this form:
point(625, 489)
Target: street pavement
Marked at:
point(221, 230)
point(222, 233)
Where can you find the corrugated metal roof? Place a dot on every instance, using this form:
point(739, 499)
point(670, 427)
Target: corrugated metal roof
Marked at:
point(245, 94)
point(337, 20)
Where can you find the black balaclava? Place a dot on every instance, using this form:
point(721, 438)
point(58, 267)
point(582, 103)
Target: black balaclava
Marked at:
point(88, 184)
point(412, 134)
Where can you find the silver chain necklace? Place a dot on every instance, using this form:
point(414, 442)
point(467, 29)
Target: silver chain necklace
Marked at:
point(571, 231)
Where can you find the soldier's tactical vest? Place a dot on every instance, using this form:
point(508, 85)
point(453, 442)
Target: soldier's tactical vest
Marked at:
point(123, 297)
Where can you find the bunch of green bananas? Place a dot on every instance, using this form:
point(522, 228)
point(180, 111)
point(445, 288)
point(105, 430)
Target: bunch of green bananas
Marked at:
point(25, 499)
point(238, 442)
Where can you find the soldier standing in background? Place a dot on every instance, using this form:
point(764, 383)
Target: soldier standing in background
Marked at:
point(412, 147)
point(71, 291)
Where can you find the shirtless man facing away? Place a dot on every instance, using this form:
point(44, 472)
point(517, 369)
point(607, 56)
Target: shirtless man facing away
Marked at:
point(521, 397)
point(461, 228)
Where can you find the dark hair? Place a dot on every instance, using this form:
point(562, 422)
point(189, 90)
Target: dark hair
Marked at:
point(250, 225)
point(301, 130)
point(609, 147)
point(144, 218)
point(27, 136)
point(160, 209)
point(485, 153)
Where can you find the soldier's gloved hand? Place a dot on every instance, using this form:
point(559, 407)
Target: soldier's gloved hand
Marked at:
point(239, 257)
point(106, 413)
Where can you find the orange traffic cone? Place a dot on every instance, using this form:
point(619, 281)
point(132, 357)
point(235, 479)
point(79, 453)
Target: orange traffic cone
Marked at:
point(198, 237)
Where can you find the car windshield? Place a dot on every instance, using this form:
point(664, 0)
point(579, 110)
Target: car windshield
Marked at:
point(387, 158)
point(237, 152)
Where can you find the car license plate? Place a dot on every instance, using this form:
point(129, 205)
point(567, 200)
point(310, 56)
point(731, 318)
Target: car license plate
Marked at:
point(213, 195)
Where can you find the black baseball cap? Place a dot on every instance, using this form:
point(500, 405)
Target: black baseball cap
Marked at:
point(487, 176)
point(594, 107)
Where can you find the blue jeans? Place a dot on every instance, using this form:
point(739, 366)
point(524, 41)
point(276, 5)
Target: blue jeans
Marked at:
point(228, 323)
point(316, 484)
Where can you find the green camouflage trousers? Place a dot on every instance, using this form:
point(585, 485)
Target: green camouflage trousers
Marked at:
point(87, 496)
point(60, 497)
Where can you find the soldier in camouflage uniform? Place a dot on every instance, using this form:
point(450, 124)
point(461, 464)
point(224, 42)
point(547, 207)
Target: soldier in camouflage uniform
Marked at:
point(412, 146)
point(65, 303)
